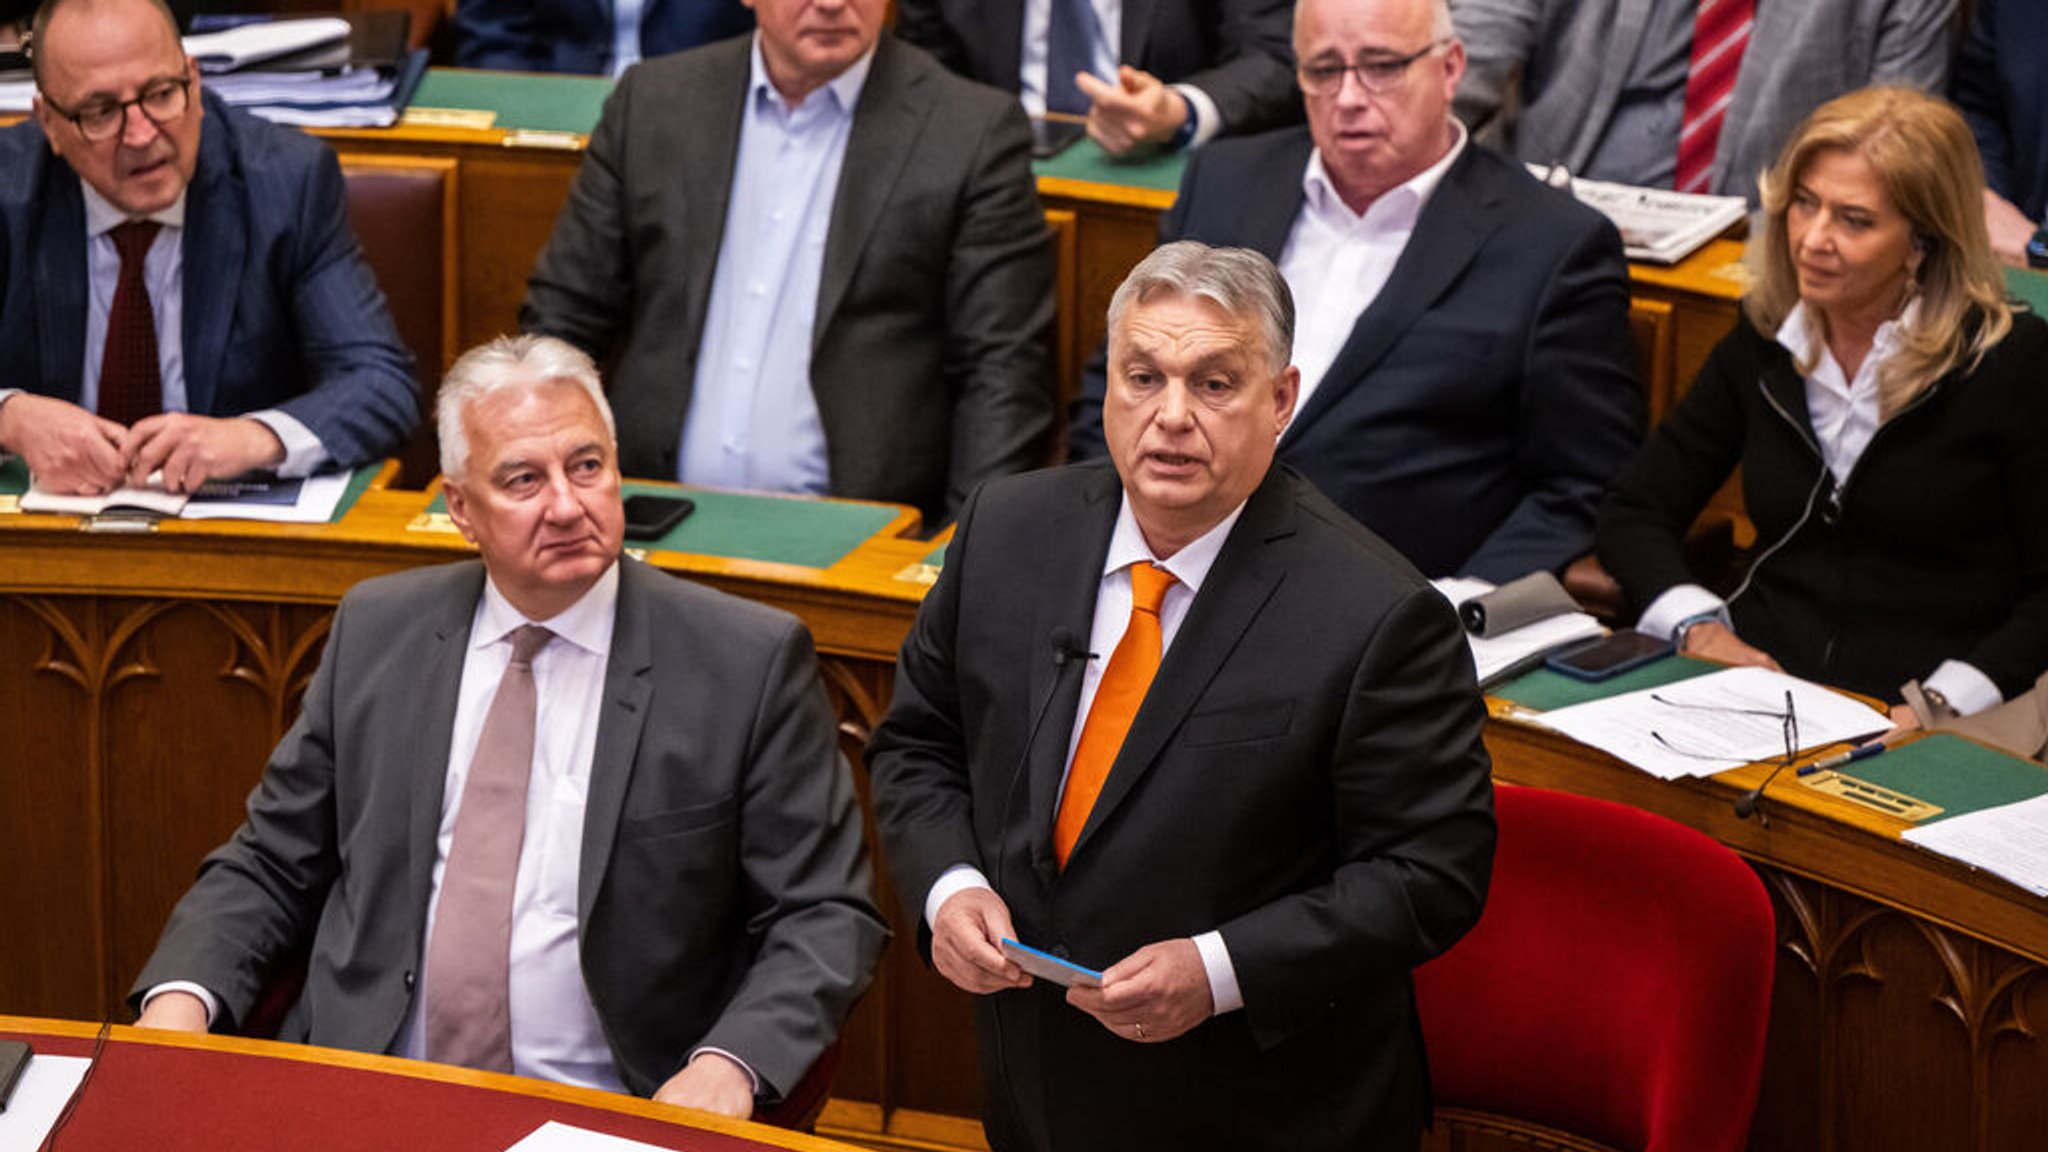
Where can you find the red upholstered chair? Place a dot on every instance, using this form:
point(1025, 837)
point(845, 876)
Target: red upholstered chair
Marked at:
point(1613, 995)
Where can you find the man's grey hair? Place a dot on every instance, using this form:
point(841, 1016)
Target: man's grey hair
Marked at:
point(509, 362)
point(1440, 25)
point(1238, 280)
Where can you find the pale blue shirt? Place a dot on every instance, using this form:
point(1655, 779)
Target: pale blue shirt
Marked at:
point(1190, 566)
point(626, 17)
point(1034, 56)
point(163, 271)
point(753, 420)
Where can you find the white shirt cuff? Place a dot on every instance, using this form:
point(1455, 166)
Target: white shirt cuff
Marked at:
point(1966, 689)
point(1223, 987)
point(1208, 121)
point(1678, 604)
point(753, 1077)
point(958, 878)
point(211, 1001)
point(303, 452)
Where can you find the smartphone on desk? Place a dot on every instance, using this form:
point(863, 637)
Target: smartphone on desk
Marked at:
point(1609, 656)
point(650, 517)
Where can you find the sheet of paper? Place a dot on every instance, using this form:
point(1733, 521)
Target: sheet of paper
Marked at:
point(311, 501)
point(1714, 722)
point(1495, 657)
point(46, 1084)
point(555, 1136)
point(2009, 841)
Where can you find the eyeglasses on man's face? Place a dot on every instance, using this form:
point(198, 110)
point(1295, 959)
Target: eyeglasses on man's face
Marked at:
point(1377, 72)
point(162, 101)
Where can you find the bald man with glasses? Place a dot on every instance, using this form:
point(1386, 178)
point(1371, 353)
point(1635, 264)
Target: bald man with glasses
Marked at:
point(181, 298)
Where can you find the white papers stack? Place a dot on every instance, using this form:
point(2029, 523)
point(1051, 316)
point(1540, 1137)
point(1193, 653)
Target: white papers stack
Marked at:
point(2009, 841)
point(46, 1086)
point(555, 1136)
point(308, 501)
point(1714, 722)
point(1657, 225)
point(261, 40)
point(152, 498)
point(1495, 658)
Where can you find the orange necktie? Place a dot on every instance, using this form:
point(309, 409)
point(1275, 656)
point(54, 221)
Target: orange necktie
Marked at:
point(1124, 682)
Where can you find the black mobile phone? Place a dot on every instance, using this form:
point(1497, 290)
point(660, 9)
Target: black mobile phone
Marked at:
point(14, 1057)
point(650, 517)
point(1609, 656)
point(1052, 137)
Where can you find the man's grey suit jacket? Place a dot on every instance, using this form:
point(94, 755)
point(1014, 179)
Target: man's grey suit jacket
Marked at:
point(281, 310)
point(1571, 57)
point(931, 354)
point(724, 895)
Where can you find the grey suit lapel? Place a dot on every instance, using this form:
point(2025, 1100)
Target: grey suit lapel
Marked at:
point(1069, 604)
point(706, 145)
point(216, 245)
point(1246, 574)
point(62, 276)
point(886, 124)
point(1456, 223)
point(1630, 18)
point(433, 696)
point(627, 692)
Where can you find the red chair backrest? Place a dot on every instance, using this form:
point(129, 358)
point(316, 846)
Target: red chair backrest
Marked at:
point(1617, 986)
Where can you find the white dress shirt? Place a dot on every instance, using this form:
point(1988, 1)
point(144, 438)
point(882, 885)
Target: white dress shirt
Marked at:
point(163, 271)
point(1190, 566)
point(1845, 415)
point(1108, 45)
point(1337, 261)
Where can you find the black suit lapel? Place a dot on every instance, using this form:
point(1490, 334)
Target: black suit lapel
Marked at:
point(438, 688)
point(627, 691)
point(1003, 39)
point(62, 273)
point(886, 123)
point(1245, 575)
point(1454, 226)
point(1135, 32)
point(1068, 603)
point(216, 246)
point(1262, 217)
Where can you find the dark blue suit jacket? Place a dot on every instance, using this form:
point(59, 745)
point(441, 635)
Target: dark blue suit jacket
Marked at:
point(2001, 84)
point(281, 311)
point(576, 35)
point(1481, 404)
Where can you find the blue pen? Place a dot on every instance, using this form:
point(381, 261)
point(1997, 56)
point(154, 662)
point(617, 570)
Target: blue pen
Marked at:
point(1843, 759)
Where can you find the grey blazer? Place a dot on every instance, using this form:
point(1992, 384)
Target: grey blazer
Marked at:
point(724, 892)
point(1564, 62)
point(931, 354)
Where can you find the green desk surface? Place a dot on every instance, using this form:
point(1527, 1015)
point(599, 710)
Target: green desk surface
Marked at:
point(1955, 774)
point(1085, 161)
point(14, 482)
point(2029, 286)
point(526, 100)
point(749, 526)
point(1544, 690)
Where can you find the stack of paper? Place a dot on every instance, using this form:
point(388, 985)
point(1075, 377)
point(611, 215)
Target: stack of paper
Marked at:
point(2010, 841)
point(1657, 225)
point(1496, 658)
point(333, 72)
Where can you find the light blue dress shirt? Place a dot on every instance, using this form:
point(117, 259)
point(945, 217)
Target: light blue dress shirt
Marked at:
point(626, 17)
point(753, 420)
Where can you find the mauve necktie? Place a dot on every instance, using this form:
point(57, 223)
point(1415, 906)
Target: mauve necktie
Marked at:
point(1117, 697)
point(469, 1014)
point(131, 380)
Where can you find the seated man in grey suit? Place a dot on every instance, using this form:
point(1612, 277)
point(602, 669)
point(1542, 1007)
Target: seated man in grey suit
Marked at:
point(554, 813)
point(1463, 343)
point(813, 263)
point(1697, 96)
point(1158, 72)
point(176, 300)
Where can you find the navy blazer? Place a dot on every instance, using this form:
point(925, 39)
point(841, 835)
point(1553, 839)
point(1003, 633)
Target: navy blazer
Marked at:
point(281, 310)
point(576, 35)
point(2002, 88)
point(1482, 403)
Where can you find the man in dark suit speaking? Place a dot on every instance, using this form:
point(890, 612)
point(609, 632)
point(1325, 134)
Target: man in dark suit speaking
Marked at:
point(814, 261)
point(176, 299)
point(1176, 716)
point(555, 813)
point(1463, 339)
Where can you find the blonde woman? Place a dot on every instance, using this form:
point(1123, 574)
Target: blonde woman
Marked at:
point(1889, 412)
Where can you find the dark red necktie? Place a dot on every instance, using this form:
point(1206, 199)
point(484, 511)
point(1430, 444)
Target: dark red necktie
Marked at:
point(1720, 32)
point(131, 381)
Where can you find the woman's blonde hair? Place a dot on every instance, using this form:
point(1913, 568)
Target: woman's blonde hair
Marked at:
point(1926, 159)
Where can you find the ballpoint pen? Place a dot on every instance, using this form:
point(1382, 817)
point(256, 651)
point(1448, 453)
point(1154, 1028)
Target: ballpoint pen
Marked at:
point(1843, 759)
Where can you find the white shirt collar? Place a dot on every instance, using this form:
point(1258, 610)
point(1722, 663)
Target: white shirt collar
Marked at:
point(1407, 199)
point(1800, 334)
point(587, 623)
point(102, 217)
point(845, 87)
point(1190, 566)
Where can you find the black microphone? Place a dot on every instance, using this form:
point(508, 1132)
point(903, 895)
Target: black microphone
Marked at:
point(1751, 803)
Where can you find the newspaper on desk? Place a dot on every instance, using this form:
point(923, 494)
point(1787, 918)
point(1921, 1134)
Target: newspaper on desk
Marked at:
point(2009, 841)
point(1657, 225)
point(308, 501)
point(1712, 723)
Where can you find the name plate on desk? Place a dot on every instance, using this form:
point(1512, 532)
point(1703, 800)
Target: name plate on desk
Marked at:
point(475, 118)
point(1872, 796)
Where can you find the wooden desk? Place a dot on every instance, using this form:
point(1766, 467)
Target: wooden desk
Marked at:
point(168, 1092)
